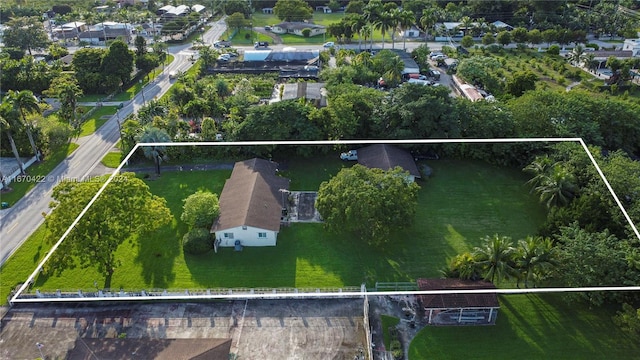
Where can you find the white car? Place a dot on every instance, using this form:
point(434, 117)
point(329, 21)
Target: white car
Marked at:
point(351, 155)
point(329, 44)
point(224, 57)
point(438, 57)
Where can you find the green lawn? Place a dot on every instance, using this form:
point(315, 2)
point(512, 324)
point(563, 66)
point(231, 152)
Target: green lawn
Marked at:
point(112, 159)
point(93, 122)
point(530, 327)
point(388, 322)
point(38, 172)
point(461, 203)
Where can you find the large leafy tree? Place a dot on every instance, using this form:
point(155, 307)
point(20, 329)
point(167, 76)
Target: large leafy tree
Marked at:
point(24, 102)
point(369, 203)
point(87, 64)
point(67, 90)
point(236, 21)
point(293, 10)
point(26, 33)
point(200, 209)
point(117, 63)
point(587, 259)
point(125, 208)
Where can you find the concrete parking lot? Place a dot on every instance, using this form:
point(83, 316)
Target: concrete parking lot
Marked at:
point(259, 329)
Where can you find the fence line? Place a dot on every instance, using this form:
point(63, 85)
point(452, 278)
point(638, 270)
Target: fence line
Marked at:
point(367, 328)
point(14, 173)
point(111, 294)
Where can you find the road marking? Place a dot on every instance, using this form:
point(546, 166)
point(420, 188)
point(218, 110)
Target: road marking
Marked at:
point(13, 227)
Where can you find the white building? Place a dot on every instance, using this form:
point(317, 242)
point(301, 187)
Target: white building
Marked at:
point(251, 205)
point(632, 45)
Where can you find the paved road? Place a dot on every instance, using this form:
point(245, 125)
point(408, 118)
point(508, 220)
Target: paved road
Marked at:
point(19, 221)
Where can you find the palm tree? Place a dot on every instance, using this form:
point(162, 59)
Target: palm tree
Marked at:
point(495, 257)
point(152, 134)
point(406, 19)
point(102, 17)
point(466, 24)
point(372, 13)
point(576, 56)
point(394, 67)
point(24, 102)
point(8, 120)
point(385, 23)
point(427, 21)
point(558, 188)
point(358, 24)
point(539, 168)
point(533, 258)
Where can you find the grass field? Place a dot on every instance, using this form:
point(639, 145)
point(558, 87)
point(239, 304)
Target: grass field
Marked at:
point(37, 171)
point(93, 123)
point(112, 159)
point(530, 327)
point(463, 202)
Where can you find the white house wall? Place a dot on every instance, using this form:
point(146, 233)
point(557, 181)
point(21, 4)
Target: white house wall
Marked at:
point(248, 236)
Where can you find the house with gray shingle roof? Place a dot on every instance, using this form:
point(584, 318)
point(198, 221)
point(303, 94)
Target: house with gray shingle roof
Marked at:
point(251, 205)
point(387, 157)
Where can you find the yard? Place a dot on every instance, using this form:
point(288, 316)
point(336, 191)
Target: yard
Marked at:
point(532, 327)
point(463, 202)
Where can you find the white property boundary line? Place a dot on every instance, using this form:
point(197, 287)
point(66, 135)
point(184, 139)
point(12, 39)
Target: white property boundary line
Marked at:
point(33, 275)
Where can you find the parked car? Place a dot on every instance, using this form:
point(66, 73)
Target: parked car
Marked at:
point(416, 76)
point(222, 44)
point(438, 57)
point(268, 28)
point(351, 155)
point(329, 44)
point(434, 74)
point(224, 57)
point(261, 44)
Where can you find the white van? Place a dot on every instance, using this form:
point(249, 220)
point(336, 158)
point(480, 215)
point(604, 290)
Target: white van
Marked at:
point(172, 75)
point(420, 82)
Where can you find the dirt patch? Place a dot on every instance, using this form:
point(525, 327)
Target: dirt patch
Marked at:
point(259, 329)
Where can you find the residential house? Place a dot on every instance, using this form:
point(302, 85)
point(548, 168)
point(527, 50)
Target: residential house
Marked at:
point(412, 32)
point(387, 157)
point(251, 205)
point(296, 28)
point(267, 10)
point(458, 308)
point(69, 30)
point(632, 45)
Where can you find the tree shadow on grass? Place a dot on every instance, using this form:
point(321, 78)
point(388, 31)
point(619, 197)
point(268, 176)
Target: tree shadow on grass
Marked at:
point(269, 266)
point(157, 253)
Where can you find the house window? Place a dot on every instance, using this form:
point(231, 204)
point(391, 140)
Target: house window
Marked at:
point(262, 235)
point(244, 228)
point(228, 235)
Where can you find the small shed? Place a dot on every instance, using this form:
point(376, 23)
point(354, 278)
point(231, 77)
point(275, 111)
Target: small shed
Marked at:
point(458, 309)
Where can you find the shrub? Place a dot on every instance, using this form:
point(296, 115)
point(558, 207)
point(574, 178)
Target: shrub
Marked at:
point(553, 50)
point(197, 241)
point(306, 32)
point(594, 46)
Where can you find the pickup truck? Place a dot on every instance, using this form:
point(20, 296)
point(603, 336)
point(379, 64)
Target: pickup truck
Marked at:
point(222, 44)
point(261, 45)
